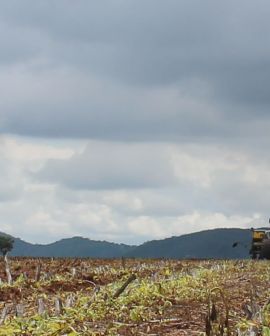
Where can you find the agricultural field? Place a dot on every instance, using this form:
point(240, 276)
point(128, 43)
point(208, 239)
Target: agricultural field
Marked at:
point(134, 297)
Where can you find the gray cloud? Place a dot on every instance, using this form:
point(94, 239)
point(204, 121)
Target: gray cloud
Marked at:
point(131, 70)
point(117, 166)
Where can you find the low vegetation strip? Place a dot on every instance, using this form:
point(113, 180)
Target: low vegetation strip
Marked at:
point(135, 297)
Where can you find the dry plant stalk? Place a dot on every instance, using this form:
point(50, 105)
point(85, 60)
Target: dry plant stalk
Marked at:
point(8, 273)
point(38, 272)
point(4, 314)
point(41, 307)
point(121, 289)
point(58, 306)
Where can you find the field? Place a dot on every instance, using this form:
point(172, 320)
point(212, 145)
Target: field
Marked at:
point(135, 297)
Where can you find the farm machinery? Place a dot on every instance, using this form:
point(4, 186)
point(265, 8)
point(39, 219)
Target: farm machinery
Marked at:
point(260, 245)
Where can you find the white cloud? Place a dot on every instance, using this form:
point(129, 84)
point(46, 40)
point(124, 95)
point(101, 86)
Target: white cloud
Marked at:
point(212, 187)
point(149, 228)
point(146, 227)
point(112, 166)
point(123, 199)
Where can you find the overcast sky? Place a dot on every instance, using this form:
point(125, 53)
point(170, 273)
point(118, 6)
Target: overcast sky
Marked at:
point(131, 120)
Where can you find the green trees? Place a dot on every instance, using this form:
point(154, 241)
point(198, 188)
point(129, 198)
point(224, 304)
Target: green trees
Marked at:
point(6, 244)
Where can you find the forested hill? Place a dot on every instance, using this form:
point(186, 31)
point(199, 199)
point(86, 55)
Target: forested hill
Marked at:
point(215, 243)
point(72, 247)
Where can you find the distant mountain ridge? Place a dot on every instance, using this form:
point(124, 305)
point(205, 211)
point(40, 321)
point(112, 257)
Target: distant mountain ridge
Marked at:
point(71, 247)
point(216, 243)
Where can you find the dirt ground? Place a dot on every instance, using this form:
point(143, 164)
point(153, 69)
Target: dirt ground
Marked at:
point(188, 296)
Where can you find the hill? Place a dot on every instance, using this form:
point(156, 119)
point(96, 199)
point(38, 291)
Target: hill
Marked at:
point(215, 243)
point(71, 247)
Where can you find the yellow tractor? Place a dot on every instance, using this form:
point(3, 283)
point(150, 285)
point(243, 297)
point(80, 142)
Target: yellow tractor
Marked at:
point(260, 246)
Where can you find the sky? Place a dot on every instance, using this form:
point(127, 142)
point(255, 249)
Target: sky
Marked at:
point(132, 120)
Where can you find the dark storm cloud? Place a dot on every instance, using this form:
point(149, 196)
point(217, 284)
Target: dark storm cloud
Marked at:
point(134, 70)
